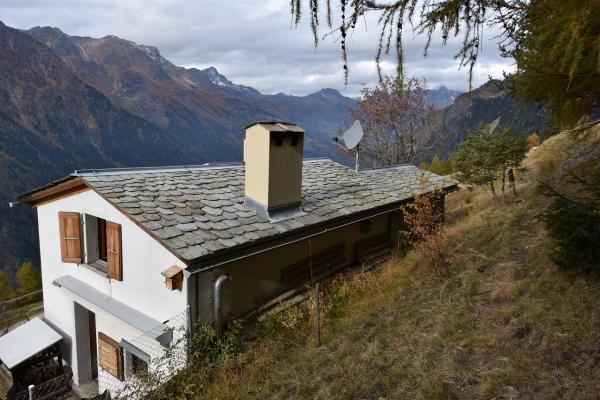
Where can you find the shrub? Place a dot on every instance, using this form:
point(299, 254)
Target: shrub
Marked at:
point(426, 233)
point(574, 227)
point(207, 346)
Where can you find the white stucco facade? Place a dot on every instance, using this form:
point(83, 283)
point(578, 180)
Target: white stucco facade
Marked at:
point(142, 288)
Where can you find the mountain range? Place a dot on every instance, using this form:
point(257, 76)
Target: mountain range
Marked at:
point(71, 102)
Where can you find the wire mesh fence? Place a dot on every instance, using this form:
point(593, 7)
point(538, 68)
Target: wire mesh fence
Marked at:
point(145, 363)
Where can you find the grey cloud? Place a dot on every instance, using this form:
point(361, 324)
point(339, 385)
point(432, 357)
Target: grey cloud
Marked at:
point(251, 42)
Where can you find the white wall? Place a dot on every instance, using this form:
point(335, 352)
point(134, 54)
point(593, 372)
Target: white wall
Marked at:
point(142, 287)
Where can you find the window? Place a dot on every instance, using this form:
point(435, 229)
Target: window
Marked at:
point(101, 239)
point(97, 244)
point(136, 360)
point(103, 246)
point(138, 366)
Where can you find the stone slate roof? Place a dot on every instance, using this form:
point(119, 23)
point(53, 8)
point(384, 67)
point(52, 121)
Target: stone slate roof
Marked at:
point(197, 211)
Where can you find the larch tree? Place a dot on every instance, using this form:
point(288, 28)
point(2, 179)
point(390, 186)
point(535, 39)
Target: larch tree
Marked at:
point(6, 291)
point(554, 42)
point(29, 278)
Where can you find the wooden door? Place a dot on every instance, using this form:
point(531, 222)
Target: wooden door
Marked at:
point(93, 344)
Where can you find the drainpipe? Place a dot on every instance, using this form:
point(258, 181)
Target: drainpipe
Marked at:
point(217, 300)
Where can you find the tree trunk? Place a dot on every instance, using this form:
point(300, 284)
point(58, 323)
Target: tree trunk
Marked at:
point(492, 187)
point(511, 181)
point(503, 180)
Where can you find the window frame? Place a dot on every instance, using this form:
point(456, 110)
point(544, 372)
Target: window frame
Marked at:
point(91, 243)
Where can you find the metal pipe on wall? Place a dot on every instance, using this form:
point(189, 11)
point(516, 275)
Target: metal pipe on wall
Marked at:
point(217, 300)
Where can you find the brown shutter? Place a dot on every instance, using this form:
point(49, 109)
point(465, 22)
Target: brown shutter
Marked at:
point(70, 237)
point(113, 251)
point(111, 356)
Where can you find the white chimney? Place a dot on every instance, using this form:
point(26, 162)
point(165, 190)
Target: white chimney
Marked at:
point(273, 154)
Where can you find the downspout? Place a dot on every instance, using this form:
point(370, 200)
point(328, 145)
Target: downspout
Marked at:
point(217, 300)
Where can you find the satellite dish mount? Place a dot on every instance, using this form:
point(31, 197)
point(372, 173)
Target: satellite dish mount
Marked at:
point(352, 138)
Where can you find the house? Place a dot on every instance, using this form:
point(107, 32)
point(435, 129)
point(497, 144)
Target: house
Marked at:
point(126, 250)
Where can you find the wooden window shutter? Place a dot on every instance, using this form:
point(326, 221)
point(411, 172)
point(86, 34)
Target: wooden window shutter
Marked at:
point(114, 251)
point(70, 237)
point(111, 356)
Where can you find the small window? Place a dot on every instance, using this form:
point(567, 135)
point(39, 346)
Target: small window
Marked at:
point(138, 366)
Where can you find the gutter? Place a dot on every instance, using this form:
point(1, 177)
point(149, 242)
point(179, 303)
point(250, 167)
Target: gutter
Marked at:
point(217, 260)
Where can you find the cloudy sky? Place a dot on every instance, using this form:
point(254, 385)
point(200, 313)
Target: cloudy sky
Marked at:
point(252, 42)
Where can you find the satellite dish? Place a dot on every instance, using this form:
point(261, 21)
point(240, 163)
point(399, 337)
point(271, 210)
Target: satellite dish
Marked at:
point(353, 135)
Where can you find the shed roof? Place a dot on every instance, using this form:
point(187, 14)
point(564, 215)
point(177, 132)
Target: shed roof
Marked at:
point(199, 211)
point(26, 341)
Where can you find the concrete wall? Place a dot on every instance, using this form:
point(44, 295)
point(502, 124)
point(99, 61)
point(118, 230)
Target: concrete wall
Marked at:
point(142, 287)
point(257, 279)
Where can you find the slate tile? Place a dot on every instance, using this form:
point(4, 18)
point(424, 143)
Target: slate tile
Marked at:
point(232, 222)
point(184, 219)
point(168, 233)
point(186, 227)
point(229, 215)
point(213, 246)
point(196, 251)
point(191, 238)
point(212, 211)
point(228, 242)
point(152, 225)
point(152, 217)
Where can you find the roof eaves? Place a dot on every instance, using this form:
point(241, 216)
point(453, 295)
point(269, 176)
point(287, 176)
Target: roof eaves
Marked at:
point(216, 259)
point(69, 185)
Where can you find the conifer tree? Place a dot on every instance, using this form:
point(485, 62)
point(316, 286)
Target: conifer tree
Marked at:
point(554, 42)
point(29, 278)
point(485, 154)
point(6, 291)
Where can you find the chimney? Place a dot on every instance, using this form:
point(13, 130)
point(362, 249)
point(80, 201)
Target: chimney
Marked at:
point(273, 157)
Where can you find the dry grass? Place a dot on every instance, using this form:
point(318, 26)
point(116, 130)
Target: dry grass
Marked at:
point(505, 324)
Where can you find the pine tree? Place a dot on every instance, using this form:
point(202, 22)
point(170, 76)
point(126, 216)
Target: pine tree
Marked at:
point(483, 155)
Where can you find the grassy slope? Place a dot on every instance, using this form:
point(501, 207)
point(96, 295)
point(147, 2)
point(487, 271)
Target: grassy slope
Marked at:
point(506, 324)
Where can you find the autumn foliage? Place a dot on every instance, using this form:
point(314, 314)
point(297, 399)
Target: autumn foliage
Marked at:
point(425, 233)
point(395, 117)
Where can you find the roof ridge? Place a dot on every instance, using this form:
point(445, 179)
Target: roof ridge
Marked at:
point(154, 170)
point(170, 168)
